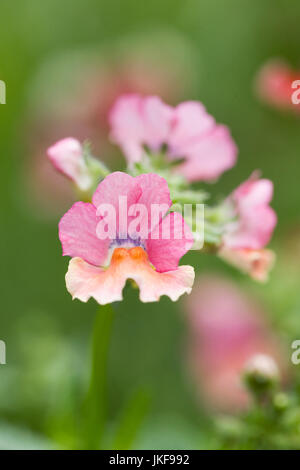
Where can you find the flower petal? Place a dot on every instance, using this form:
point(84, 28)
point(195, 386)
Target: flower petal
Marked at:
point(256, 263)
point(115, 185)
point(136, 121)
point(84, 281)
point(165, 254)
point(105, 286)
point(147, 190)
point(67, 157)
point(209, 156)
point(127, 126)
point(190, 121)
point(256, 219)
point(120, 191)
point(157, 118)
point(155, 191)
point(253, 192)
point(173, 284)
point(254, 230)
point(77, 233)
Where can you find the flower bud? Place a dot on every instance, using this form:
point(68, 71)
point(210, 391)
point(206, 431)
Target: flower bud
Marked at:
point(73, 160)
point(261, 373)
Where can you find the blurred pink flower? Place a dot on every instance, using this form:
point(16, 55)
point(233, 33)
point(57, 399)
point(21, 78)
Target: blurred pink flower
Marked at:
point(226, 329)
point(100, 267)
point(256, 220)
point(256, 263)
point(274, 84)
point(188, 131)
point(251, 228)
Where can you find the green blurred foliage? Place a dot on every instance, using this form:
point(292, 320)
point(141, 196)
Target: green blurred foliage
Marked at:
point(47, 335)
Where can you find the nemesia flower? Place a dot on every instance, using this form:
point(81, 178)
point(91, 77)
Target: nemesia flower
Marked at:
point(251, 228)
point(256, 220)
point(67, 157)
point(101, 265)
point(187, 130)
point(274, 85)
point(227, 330)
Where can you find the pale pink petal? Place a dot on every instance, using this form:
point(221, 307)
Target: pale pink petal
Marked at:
point(127, 127)
point(84, 281)
point(106, 286)
point(137, 121)
point(254, 229)
point(157, 118)
point(254, 192)
point(188, 131)
point(67, 157)
point(209, 156)
point(173, 284)
point(256, 219)
point(77, 233)
point(165, 254)
point(190, 122)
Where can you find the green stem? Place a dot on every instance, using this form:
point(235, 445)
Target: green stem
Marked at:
point(131, 420)
point(94, 406)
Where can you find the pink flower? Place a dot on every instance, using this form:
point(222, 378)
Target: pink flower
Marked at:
point(188, 131)
point(274, 85)
point(227, 329)
point(100, 266)
point(256, 263)
point(67, 157)
point(256, 220)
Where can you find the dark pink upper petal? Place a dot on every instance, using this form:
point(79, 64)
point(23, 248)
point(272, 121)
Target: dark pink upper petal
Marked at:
point(165, 254)
point(117, 193)
point(210, 155)
point(114, 186)
point(77, 233)
point(147, 190)
point(155, 192)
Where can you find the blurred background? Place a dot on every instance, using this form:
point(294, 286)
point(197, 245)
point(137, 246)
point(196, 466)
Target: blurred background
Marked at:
point(64, 63)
